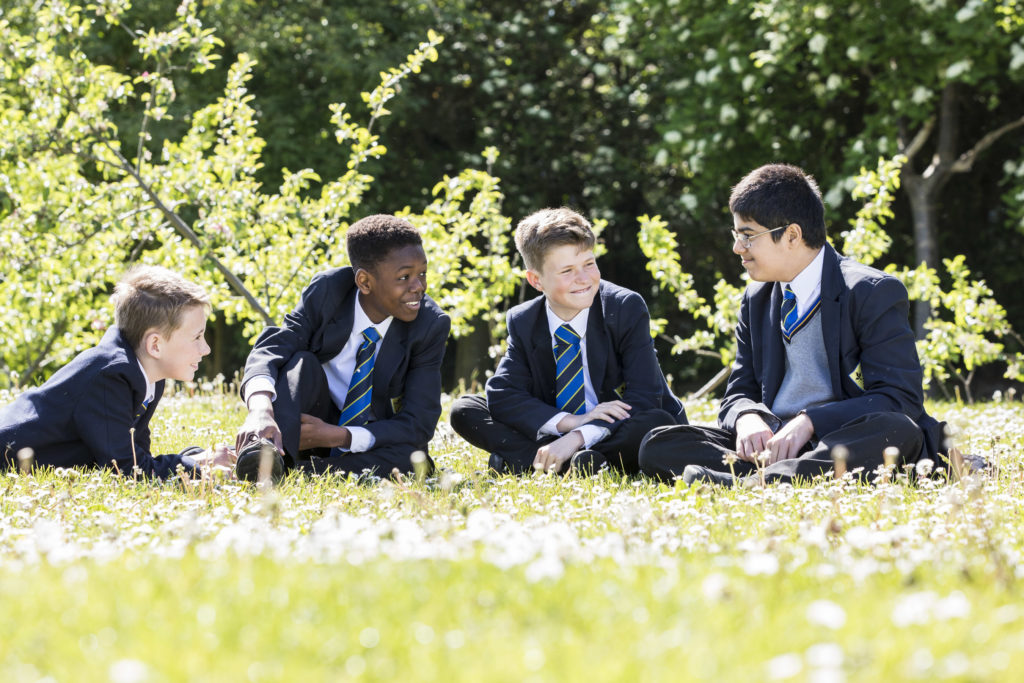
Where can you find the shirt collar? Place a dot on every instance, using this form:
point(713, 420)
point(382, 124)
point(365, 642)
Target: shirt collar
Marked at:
point(361, 321)
point(807, 284)
point(150, 386)
point(578, 323)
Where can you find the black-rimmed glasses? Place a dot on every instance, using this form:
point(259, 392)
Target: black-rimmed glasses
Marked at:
point(745, 240)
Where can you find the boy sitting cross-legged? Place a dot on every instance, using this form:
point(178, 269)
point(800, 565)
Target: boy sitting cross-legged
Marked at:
point(95, 411)
point(351, 381)
point(825, 355)
point(580, 384)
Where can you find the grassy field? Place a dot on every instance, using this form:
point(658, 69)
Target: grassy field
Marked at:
point(470, 576)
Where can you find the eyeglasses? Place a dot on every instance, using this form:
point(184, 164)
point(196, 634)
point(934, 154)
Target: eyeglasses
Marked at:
point(745, 240)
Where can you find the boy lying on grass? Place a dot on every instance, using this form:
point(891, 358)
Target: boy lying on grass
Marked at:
point(95, 411)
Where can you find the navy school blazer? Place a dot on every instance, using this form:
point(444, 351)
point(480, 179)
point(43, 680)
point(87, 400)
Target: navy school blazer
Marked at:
point(406, 400)
point(621, 361)
point(83, 415)
point(872, 356)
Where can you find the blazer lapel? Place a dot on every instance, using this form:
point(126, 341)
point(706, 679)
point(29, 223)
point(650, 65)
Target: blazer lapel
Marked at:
point(390, 356)
point(597, 348)
point(774, 357)
point(337, 330)
point(541, 350)
point(831, 289)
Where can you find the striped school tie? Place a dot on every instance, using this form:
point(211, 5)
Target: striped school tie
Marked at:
point(142, 409)
point(360, 391)
point(569, 396)
point(789, 315)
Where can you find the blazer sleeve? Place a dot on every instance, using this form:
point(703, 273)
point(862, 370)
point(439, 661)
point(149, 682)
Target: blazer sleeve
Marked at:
point(888, 358)
point(421, 405)
point(276, 344)
point(640, 370)
point(103, 419)
point(511, 395)
point(743, 390)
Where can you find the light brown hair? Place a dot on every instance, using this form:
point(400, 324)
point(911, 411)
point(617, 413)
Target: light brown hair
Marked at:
point(546, 229)
point(150, 297)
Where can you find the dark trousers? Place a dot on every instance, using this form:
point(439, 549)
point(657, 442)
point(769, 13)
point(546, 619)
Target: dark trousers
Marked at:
point(666, 451)
point(471, 419)
point(302, 388)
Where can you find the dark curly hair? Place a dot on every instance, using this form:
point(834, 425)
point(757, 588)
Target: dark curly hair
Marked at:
point(371, 239)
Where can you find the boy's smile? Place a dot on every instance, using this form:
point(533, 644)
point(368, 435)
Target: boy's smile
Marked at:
point(569, 278)
point(395, 286)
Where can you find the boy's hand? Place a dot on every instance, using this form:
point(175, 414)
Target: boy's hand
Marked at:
point(790, 439)
point(609, 411)
point(259, 423)
point(752, 436)
point(551, 457)
point(315, 433)
point(220, 457)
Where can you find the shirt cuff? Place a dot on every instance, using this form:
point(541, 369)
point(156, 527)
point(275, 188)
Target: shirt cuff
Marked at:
point(259, 383)
point(550, 428)
point(592, 434)
point(362, 439)
point(773, 421)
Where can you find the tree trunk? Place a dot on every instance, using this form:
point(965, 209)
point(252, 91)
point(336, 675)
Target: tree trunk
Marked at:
point(926, 250)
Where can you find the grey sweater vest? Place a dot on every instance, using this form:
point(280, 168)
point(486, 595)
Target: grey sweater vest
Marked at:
point(806, 382)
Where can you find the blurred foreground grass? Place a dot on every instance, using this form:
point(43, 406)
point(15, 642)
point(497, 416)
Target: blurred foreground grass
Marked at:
point(470, 576)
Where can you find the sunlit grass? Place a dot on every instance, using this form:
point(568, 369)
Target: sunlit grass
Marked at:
point(470, 576)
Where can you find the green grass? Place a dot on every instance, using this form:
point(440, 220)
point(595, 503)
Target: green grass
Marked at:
point(470, 576)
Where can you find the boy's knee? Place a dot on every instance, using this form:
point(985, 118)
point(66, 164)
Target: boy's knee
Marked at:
point(465, 412)
point(655, 418)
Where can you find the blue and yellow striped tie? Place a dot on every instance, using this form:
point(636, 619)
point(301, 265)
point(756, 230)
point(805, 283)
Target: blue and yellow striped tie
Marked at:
point(357, 402)
point(569, 396)
point(789, 316)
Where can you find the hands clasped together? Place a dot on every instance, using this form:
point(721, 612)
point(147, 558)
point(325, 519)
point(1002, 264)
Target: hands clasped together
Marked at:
point(551, 457)
point(754, 436)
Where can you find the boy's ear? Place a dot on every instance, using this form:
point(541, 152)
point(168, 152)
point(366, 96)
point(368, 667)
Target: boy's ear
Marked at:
point(364, 281)
point(533, 277)
point(152, 342)
point(794, 234)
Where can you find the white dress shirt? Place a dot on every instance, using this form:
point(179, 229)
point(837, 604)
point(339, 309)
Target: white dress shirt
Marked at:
point(339, 372)
point(807, 284)
point(591, 433)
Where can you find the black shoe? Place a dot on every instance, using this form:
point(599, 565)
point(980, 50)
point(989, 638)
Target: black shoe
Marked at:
point(587, 463)
point(247, 467)
point(697, 473)
point(497, 463)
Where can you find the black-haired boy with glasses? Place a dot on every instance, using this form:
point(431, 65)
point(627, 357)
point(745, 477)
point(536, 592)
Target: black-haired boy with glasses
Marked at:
point(825, 354)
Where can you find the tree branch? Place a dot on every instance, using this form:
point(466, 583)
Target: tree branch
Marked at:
point(966, 160)
point(918, 142)
point(712, 383)
point(185, 231)
point(58, 331)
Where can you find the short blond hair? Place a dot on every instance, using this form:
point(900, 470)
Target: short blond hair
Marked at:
point(546, 229)
point(150, 297)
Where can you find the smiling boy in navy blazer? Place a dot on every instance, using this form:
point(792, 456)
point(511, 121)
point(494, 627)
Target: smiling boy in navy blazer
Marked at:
point(351, 381)
point(570, 397)
point(825, 353)
point(95, 411)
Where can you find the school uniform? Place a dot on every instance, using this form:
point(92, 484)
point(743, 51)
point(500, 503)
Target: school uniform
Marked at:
point(309, 361)
point(850, 363)
point(83, 416)
point(520, 411)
